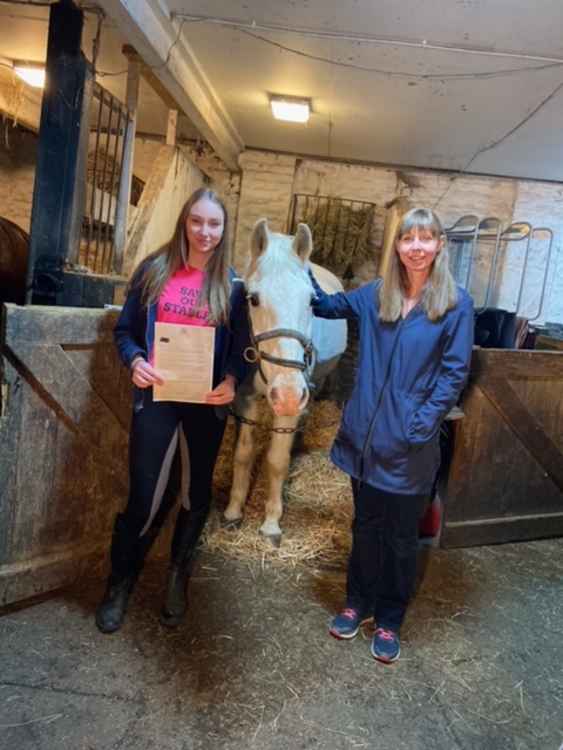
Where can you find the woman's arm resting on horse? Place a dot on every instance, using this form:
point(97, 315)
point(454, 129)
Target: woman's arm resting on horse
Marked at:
point(339, 305)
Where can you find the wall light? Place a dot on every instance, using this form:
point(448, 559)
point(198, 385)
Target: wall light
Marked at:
point(290, 108)
point(32, 73)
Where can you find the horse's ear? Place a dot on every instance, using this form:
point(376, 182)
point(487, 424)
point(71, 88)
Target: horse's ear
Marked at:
point(303, 242)
point(259, 238)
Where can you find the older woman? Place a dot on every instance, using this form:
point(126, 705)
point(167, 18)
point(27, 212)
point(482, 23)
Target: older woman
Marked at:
point(416, 334)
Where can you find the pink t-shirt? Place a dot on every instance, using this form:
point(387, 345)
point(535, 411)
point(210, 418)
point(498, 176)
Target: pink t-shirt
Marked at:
point(178, 301)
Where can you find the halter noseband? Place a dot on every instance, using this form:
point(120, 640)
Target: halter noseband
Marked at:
point(255, 355)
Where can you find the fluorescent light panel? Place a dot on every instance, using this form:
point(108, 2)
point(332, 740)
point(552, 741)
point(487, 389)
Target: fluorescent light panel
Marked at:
point(290, 109)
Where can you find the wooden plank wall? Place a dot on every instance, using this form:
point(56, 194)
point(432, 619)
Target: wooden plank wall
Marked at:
point(63, 445)
point(506, 478)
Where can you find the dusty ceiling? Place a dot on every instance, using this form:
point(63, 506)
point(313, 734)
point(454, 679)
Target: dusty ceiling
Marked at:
point(373, 101)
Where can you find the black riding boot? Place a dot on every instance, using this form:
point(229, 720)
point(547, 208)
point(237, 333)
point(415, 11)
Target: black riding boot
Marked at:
point(189, 526)
point(128, 553)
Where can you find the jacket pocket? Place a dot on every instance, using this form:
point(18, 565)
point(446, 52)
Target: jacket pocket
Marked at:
point(389, 438)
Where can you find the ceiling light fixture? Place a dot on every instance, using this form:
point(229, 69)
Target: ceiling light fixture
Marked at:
point(290, 108)
point(32, 73)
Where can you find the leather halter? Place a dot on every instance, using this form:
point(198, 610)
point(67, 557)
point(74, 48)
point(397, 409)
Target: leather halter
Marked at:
point(255, 355)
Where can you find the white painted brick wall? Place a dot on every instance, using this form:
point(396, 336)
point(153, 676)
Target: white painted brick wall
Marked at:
point(266, 178)
point(269, 181)
point(266, 191)
point(542, 205)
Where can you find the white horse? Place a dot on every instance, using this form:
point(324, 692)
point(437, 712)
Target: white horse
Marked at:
point(291, 349)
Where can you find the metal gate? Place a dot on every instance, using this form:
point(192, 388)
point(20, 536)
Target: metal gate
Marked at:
point(109, 123)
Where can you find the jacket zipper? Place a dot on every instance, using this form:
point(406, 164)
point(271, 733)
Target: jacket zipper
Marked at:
point(385, 381)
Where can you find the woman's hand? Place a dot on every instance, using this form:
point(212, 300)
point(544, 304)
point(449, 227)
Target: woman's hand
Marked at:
point(224, 393)
point(144, 375)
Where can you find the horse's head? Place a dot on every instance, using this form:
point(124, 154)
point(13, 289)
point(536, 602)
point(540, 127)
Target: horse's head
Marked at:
point(279, 302)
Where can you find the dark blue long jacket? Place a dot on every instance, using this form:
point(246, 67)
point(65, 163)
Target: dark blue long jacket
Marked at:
point(134, 333)
point(410, 373)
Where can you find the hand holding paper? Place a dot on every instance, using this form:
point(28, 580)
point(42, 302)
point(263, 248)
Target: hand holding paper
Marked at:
point(224, 393)
point(183, 356)
point(144, 375)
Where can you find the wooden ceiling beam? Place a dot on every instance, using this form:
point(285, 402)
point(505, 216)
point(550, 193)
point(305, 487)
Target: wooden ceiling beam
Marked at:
point(173, 71)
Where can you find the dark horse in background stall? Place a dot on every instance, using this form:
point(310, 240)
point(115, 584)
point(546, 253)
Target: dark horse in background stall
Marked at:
point(14, 248)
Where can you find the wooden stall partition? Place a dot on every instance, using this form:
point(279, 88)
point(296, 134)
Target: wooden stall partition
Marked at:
point(506, 476)
point(63, 445)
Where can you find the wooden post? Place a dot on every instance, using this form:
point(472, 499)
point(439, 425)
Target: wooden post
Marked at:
point(54, 208)
point(171, 127)
point(395, 209)
point(124, 193)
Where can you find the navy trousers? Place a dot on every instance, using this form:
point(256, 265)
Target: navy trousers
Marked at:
point(382, 565)
point(162, 434)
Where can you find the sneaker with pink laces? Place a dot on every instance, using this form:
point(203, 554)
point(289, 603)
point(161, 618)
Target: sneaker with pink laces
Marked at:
point(346, 624)
point(385, 645)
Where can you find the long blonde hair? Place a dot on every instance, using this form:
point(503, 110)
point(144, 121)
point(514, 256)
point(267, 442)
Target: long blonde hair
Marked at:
point(164, 263)
point(440, 292)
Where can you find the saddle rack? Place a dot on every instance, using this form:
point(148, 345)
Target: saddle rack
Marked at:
point(484, 256)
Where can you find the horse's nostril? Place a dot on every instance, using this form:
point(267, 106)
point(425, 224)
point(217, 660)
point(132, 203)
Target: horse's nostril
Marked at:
point(274, 394)
point(304, 395)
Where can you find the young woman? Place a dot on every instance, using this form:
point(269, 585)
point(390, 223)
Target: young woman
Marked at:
point(416, 335)
point(188, 282)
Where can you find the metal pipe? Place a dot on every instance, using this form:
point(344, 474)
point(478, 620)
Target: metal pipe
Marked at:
point(549, 248)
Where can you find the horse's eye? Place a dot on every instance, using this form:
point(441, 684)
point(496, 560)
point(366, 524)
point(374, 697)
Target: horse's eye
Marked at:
point(254, 299)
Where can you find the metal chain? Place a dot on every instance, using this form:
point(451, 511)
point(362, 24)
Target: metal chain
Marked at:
point(254, 423)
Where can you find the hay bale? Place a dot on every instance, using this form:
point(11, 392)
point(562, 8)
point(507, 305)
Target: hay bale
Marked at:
point(342, 236)
point(317, 498)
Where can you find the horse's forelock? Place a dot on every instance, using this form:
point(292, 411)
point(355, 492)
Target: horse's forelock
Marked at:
point(284, 289)
point(277, 263)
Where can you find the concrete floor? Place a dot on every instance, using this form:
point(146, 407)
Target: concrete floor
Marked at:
point(253, 666)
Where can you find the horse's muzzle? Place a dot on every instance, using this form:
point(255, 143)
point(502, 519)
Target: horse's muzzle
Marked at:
point(287, 402)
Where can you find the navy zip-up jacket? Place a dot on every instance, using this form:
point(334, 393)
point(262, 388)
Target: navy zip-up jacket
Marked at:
point(410, 373)
point(134, 333)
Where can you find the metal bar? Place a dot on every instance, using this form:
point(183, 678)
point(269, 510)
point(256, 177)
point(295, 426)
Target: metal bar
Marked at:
point(111, 205)
point(336, 224)
point(524, 267)
point(549, 248)
point(351, 203)
point(98, 92)
point(103, 188)
point(472, 247)
point(493, 264)
point(359, 234)
point(327, 212)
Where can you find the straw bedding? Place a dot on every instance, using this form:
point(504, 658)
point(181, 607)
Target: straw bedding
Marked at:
point(317, 498)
